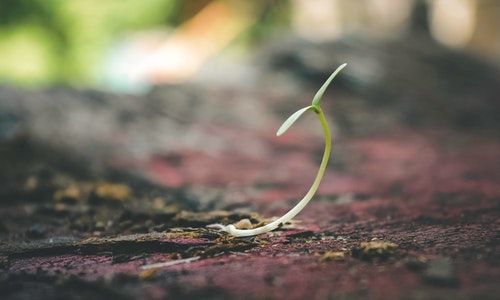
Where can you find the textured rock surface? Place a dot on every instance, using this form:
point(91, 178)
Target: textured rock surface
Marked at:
point(407, 212)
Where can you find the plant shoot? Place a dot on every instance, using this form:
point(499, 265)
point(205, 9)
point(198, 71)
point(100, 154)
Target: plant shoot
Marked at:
point(315, 107)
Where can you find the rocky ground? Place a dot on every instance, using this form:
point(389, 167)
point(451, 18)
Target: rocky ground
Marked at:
point(95, 186)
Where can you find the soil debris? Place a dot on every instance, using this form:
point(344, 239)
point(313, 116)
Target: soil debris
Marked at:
point(374, 251)
point(113, 191)
point(333, 256)
point(226, 244)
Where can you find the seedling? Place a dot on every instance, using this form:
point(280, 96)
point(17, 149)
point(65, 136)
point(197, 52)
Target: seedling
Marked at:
point(231, 229)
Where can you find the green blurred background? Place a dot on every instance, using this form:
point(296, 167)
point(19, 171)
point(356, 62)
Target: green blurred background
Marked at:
point(47, 42)
point(44, 42)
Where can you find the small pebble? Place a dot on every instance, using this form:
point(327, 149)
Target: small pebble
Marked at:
point(441, 272)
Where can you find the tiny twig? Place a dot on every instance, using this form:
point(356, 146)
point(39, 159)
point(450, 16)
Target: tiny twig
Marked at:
point(169, 263)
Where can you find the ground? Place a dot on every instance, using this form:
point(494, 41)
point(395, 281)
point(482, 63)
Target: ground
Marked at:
point(406, 211)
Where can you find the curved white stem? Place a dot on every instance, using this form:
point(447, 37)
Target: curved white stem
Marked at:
point(231, 229)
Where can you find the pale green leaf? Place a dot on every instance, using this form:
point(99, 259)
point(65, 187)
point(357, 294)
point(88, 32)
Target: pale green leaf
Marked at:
point(321, 91)
point(289, 122)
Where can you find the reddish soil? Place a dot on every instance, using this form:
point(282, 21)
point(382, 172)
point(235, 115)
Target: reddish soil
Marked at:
point(94, 186)
point(433, 194)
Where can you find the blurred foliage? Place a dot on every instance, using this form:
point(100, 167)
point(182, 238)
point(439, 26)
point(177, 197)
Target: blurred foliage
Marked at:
point(51, 41)
point(60, 41)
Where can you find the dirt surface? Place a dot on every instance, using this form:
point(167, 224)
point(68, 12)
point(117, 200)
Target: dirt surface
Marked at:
point(406, 210)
